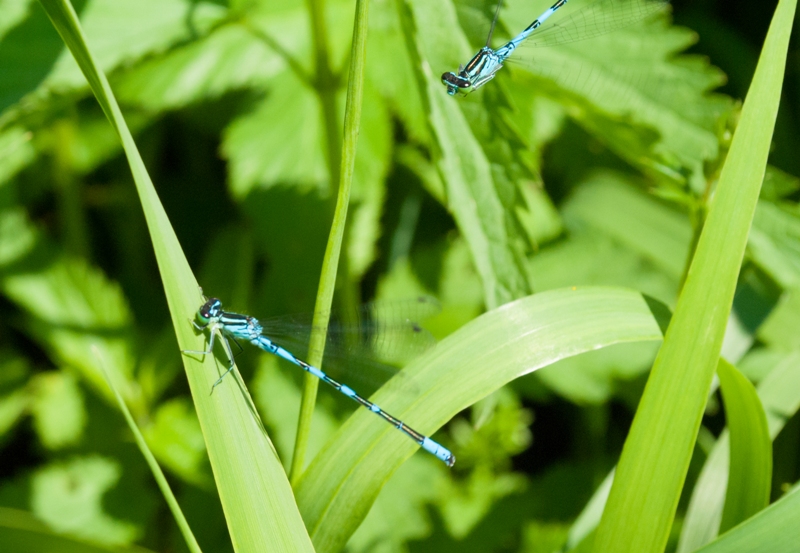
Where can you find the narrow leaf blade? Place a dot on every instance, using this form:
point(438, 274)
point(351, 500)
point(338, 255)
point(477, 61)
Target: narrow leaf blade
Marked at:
point(337, 490)
point(656, 455)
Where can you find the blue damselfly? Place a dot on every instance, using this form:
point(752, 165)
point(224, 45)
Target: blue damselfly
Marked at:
point(595, 18)
point(214, 319)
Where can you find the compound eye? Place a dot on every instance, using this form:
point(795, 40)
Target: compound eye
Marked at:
point(210, 309)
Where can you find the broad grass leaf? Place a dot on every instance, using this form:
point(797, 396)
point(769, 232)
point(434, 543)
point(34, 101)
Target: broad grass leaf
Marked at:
point(337, 490)
point(659, 446)
point(704, 513)
point(750, 476)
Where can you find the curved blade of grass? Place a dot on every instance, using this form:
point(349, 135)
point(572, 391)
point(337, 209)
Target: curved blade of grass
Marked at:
point(773, 530)
point(259, 506)
point(778, 395)
point(656, 455)
point(330, 261)
point(751, 448)
point(21, 532)
point(337, 490)
point(587, 521)
point(161, 480)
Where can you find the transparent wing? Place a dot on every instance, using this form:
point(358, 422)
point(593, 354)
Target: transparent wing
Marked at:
point(593, 19)
point(366, 345)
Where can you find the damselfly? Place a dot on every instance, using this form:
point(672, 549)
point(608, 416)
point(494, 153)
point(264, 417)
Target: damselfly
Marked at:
point(595, 18)
point(242, 327)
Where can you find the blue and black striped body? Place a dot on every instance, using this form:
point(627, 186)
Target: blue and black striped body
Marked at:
point(482, 67)
point(243, 327)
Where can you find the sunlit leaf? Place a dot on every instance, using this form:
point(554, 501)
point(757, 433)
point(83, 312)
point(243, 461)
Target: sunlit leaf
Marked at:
point(22, 532)
point(58, 412)
point(365, 452)
point(659, 446)
point(69, 497)
point(704, 513)
point(750, 475)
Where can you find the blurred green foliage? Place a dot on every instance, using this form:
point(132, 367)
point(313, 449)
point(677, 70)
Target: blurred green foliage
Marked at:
point(591, 164)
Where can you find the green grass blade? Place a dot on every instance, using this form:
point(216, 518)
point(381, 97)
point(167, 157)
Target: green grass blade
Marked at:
point(158, 474)
point(337, 490)
point(751, 448)
point(330, 262)
point(656, 455)
point(259, 506)
point(781, 402)
point(587, 521)
point(773, 530)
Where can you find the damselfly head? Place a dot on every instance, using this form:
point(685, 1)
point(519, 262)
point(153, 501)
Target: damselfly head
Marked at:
point(209, 310)
point(456, 83)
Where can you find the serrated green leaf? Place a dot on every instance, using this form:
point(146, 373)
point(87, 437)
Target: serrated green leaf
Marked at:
point(27, 52)
point(390, 69)
point(472, 196)
point(176, 440)
point(72, 308)
point(121, 31)
point(229, 58)
point(607, 203)
point(57, 408)
point(68, 496)
point(262, 146)
point(750, 475)
point(590, 258)
point(774, 242)
point(659, 446)
point(631, 77)
point(342, 482)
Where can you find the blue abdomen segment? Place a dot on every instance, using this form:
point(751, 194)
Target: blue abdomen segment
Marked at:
point(426, 443)
point(439, 451)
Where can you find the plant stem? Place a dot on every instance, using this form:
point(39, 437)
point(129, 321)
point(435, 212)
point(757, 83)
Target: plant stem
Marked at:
point(344, 173)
